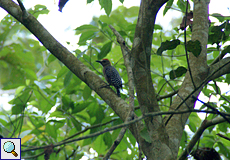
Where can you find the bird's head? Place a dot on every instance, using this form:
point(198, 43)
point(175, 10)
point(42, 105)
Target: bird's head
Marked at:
point(104, 62)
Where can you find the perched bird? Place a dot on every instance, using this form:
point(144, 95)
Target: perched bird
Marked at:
point(111, 75)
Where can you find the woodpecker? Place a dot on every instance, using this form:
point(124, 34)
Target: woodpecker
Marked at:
point(111, 75)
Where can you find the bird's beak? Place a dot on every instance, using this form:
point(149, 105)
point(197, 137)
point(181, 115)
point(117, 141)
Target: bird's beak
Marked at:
point(98, 61)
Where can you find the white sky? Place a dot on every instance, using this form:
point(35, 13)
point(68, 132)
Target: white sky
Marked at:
point(76, 13)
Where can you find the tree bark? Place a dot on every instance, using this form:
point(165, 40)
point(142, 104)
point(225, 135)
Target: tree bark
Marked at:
point(199, 71)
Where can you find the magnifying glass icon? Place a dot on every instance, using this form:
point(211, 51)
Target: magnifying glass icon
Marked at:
point(9, 147)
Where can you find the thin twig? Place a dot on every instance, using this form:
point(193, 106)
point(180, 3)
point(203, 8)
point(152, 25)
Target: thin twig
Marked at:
point(212, 108)
point(126, 124)
point(25, 14)
point(117, 141)
point(167, 95)
point(34, 156)
point(126, 54)
point(140, 152)
point(222, 54)
point(223, 136)
point(21, 5)
point(185, 46)
point(202, 83)
point(87, 128)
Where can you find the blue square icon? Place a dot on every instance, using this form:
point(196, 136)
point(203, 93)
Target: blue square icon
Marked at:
point(10, 148)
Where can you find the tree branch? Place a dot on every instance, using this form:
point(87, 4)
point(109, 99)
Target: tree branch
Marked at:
point(223, 136)
point(141, 56)
point(220, 68)
point(118, 139)
point(205, 124)
point(126, 55)
point(199, 70)
point(213, 109)
point(122, 125)
point(119, 106)
point(167, 95)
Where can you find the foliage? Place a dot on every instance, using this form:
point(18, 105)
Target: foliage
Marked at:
point(51, 104)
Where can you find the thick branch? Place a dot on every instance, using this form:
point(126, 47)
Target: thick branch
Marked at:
point(220, 68)
point(199, 70)
point(120, 107)
point(126, 55)
point(141, 55)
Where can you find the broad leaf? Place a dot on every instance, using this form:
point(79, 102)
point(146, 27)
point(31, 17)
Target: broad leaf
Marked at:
point(105, 50)
point(177, 73)
point(194, 47)
point(168, 45)
point(145, 134)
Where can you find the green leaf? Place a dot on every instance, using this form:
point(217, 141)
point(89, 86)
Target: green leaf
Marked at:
point(22, 98)
point(107, 139)
point(132, 12)
point(194, 47)
point(57, 114)
point(51, 58)
point(226, 49)
point(19, 89)
point(79, 155)
point(45, 105)
point(192, 126)
point(218, 33)
point(145, 134)
point(223, 149)
point(86, 36)
point(220, 17)
point(79, 55)
point(168, 45)
point(207, 92)
point(177, 73)
point(157, 27)
point(76, 124)
point(89, 1)
point(86, 92)
point(168, 6)
point(228, 78)
point(223, 127)
point(107, 5)
point(182, 5)
point(68, 78)
point(105, 50)
point(99, 142)
point(183, 141)
point(131, 27)
point(18, 109)
point(39, 9)
point(30, 73)
point(47, 77)
point(86, 28)
point(67, 102)
point(51, 130)
point(80, 107)
point(121, 1)
point(62, 72)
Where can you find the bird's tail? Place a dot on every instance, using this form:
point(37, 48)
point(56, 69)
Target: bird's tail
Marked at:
point(118, 92)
